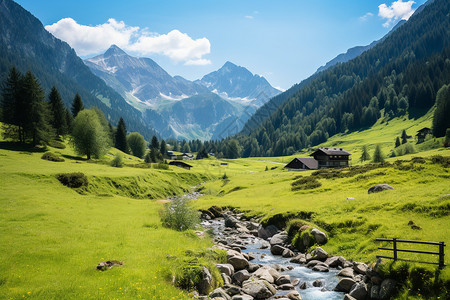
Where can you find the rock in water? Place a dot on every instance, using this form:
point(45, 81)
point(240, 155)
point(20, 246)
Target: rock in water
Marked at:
point(267, 232)
point(259, 289)
point(380, 187)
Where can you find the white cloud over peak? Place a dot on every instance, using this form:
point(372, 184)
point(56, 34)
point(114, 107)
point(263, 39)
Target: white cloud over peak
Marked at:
point(87, 40)
point(398, 10)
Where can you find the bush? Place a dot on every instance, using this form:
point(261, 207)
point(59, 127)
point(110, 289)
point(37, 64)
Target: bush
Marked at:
point(161, 166)
point(305, 183)
point(52, 157)
point(178, 215)
point(404, 149)
point(56, 144)
point(117, 162)
point(73, 180)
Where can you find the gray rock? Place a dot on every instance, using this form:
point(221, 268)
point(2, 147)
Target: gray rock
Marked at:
point(345, 285)
point(219, 292)
point(321, 267)
point(226, 278)
point(259, 289)
point(267, 232)
point(387, 288)
point(288, 253)
point(294, 295)
point(375, 292)
point(264, 245)
point(295, 281)
point(237, 260)
point(252, 267)
point(360, 268)
point(319, 254)
point(299, 259)
point(279, 238)
point(312, 263)
point(359, 291)
point(318, 283)
point(277, 249)
point(320, 237)
point(286, 287)
point(232, 290)
point(283, 279)
point(264, 273)
point(226, 268)
point(240, 276)
point(242, 297)
point(347, 272)
point(335, 261)
point(230, 221)
point(205, 285)
point(303, 286)
point(379, 187)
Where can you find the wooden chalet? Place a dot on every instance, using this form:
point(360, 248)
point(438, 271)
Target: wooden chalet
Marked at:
point(331, 157)
point(422, 133)
point(303, 163)
point(180, 164)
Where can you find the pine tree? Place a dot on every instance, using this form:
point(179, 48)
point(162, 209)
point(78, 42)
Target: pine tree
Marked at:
point(186, 148)
point(9, 105)
point(69, 119)
point(58, 118)
point(397, 142)
point(378, 156)
point(163, 148)
point(441, 117)
point(154, 144)
point(404, 137)
point(364, 155)
point(120, 137)
point(77, 105)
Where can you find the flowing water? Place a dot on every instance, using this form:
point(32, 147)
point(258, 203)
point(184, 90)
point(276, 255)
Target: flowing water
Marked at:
point(265, 257)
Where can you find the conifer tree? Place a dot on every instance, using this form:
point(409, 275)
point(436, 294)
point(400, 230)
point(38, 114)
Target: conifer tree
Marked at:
point(9, 105)
point(121, 137)
point(364, 155)
point(397, 142)
point(154, 144)
point(404, 137)
point(77, 105)
point(378, 156)
point(58, 113)
point(441, 117)
point(163, 148)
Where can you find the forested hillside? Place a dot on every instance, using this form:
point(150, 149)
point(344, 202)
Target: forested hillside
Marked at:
point(400, 75)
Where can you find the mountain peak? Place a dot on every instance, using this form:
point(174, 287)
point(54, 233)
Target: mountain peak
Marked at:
point(229, 64)
point(114, 50)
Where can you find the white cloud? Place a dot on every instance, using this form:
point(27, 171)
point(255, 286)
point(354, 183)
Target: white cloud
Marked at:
point(249, 17)
point(87, 40)
point(366, 17)
point(398, 10)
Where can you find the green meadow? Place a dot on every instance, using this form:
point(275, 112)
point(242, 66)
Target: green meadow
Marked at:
point(52, 237)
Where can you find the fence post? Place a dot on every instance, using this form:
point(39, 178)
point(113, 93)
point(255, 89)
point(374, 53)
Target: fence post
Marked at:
point(394, 244)
point(441, 255)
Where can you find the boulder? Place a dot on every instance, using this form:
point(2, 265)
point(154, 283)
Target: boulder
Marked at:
point(360, 268)
point(219, 292)
point(242, 297)
point(321, 267)
point(303, 286)
point(319, 254)
point(299, 259)
point(226, 279)
point(259, 289)
point(263, 273)
point(294, 295)
point(226, 268)
point(232, 290)
point(287, 253)
point(279, 238)
point(277, 249)
point(347, 272)
point(206, 284)
point(238, 262)
point(240, 276)
point(379, 187)
point(335, 261)
point(320, 237)
point(215, 211)
point(252, 267)
point(345, 285)
point(295, 281)
point(230, 221)
point(286, 287)
point(312, 263)
point(283, 279)
point(267, 232)
point(318, 283)
point(387, 288)
point(359, 291)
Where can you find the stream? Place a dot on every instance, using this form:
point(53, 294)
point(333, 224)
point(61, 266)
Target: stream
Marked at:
point(260, 250)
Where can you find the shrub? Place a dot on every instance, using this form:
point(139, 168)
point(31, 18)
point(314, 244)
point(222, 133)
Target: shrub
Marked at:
point(52, 157)
point(178, 215)
point(305, 183)
point(161, 166)
point(56, 144)
point(117, 162)
point(73, 180)
point(293, 227)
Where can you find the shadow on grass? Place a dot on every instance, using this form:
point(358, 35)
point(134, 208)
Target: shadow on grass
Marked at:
point(74, 157)
point(15, 146)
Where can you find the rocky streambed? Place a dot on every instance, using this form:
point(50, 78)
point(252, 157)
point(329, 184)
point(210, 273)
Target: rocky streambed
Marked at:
point(262, 265)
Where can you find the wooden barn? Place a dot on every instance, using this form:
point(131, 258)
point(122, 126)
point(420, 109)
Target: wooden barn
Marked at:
point(303, 163)
point(422, 133)
point(180, 164)
point(331, 157)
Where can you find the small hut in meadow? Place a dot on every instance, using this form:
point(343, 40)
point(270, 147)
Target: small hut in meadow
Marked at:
point(180, 164)
point(303, 163)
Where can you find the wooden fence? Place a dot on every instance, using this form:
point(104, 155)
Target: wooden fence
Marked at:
point(395, 249)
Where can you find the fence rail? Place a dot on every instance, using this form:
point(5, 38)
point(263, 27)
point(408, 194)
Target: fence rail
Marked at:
point(395, 249)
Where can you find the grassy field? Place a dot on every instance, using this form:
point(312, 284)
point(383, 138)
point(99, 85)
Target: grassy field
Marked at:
point(52, 236)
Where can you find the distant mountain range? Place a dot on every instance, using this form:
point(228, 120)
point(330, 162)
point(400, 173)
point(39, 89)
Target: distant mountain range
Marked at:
point(226, 98)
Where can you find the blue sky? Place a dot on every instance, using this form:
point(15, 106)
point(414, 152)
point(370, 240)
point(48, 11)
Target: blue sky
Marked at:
point(284, 41)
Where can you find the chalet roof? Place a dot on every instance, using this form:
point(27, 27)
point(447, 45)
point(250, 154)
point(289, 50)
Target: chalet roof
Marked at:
point(425, 129)
point(331, 151)
point(311, 163)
